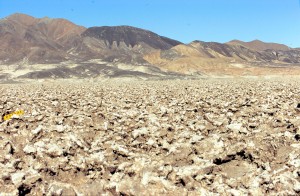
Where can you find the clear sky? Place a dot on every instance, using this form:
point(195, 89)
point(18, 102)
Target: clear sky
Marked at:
point(184, 20)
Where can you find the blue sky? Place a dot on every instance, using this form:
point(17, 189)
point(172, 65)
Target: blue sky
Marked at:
point(184, 20)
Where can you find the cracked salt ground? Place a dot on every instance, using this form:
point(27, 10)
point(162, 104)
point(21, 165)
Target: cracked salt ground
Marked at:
point(208, 137)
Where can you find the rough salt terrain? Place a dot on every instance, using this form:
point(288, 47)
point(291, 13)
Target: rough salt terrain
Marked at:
point(206, 137)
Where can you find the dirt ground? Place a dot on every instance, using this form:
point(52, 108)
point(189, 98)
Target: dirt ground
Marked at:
point(204, 137)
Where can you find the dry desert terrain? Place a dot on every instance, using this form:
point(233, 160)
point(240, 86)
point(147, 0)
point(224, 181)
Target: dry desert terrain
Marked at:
point(196, 137)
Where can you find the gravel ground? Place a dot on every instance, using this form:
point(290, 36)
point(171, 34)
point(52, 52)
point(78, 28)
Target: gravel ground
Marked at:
point(206, 137)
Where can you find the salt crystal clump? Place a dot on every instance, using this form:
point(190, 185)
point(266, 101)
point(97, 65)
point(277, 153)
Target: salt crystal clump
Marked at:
point(235, 126)
point(29, 149)
point(138, 132)
point(60, 128)
point(54, 150)
point(17, 178)
point(97, 157)
point(37, 130)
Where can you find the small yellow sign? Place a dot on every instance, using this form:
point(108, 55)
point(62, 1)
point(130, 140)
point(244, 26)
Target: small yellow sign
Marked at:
point(18, 112)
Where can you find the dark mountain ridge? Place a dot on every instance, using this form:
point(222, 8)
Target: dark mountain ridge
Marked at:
point(131, 36)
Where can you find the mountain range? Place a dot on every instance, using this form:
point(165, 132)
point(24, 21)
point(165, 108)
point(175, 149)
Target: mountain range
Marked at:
point(37, 48)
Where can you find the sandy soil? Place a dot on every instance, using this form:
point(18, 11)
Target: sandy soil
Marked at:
point(206, 137)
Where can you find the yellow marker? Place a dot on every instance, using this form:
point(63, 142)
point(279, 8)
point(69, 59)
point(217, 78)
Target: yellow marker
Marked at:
point(18, 112)
point(8, 116)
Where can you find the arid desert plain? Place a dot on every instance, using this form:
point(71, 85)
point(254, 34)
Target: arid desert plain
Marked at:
point(191, 137)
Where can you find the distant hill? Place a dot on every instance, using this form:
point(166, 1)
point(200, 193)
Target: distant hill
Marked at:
point(212, 58)
point(259, 45)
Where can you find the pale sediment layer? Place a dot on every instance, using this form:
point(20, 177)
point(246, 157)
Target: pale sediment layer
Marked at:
point(201, 137)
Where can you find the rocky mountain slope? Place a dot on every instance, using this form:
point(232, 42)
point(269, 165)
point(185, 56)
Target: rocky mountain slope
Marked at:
point(53, 48)
point(25, 39)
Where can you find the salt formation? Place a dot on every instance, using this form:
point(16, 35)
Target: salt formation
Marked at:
point(203, 137)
